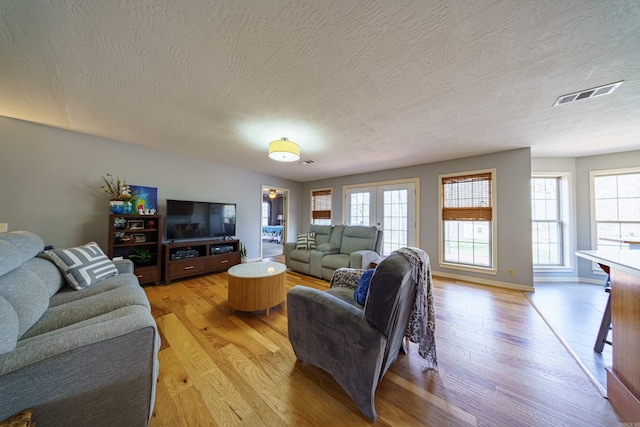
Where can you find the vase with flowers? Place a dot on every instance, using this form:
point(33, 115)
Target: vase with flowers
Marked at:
point(120, 196)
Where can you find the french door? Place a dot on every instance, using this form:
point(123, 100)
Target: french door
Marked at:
point(390, 207)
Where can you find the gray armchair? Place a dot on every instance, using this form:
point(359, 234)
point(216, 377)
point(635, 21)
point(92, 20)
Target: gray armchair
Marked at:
point(355, 344)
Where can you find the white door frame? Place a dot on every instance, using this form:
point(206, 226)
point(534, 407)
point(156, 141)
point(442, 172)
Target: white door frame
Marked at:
point(285, 212)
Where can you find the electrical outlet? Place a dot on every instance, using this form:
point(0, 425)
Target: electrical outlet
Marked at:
point(511, 272)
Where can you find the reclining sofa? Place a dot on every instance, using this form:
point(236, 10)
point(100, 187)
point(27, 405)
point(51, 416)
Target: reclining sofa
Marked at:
point(337, 246)
point(73, 357)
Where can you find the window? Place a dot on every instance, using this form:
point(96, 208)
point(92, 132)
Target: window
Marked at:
point(552, 243)
point(360, 211)
point(616, 207)
point(395, 219)
point(467, 225)
point(266, 207)
point(547, 225)
point(391, 206)
point(321, 207)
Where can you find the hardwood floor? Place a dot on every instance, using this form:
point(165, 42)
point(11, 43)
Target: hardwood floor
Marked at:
point(499, 365)
point(574, 310)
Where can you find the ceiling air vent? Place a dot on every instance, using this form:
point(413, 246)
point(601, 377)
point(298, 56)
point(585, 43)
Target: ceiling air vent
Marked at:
point(307, 162)
point(589, 93)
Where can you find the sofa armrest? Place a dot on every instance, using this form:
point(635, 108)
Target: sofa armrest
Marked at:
point(124, 266)
point(106, 372)
point(288, 247)
point(363, 259)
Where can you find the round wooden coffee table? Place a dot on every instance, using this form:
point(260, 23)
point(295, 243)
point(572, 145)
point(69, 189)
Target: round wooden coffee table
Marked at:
point(256, 285)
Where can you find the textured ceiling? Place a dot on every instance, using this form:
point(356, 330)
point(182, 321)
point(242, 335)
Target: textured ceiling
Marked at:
point(360, 85)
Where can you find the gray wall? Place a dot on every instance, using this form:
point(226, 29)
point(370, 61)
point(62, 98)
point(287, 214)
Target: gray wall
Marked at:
point(579, 169)
point(513, 176)
point(50, 183)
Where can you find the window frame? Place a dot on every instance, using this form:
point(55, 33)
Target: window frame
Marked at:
point(376, 210)
point(592, 176)
point(493, 241)
point(566, 216)
point(313, 218)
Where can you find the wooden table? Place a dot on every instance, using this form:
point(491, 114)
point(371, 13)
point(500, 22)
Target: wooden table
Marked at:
point(256, 286)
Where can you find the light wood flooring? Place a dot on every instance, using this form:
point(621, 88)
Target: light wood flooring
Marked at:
point(499, 365)
point(574, 311)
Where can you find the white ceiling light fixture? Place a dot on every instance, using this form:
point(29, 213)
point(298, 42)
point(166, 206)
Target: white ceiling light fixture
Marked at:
point(284, 150)
point(589, 93)
point(272, 194)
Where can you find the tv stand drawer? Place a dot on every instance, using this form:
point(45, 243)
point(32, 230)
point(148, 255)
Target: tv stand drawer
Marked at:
point(148, 274)
point(222, 262)
point(187, 267)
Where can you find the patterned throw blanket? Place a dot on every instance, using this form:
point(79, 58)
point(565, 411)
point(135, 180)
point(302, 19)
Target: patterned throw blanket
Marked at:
point(422, 322)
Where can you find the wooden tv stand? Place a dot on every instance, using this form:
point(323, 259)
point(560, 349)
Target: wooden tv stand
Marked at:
point(185, 259)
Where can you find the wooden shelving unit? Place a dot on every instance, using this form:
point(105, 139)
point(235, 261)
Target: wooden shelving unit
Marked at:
point(128, 233)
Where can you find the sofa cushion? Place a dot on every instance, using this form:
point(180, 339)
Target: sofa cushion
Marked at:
point(9, 329)
point(27, 243)
point(68, 294)
point(328, 247)
point(76, 311)
point(357, 238)
point(301, 255)
point(336, 261)
point(306, 241)
point(47, 272)
point(360, 294)
point(322, 232)
point(344, 294)
point(336, 235)
point(84, 265)
point(10, 256)
point(27, 294)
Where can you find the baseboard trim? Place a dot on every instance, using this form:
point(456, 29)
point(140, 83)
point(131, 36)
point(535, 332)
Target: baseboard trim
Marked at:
point(567, 279)
point(495, 283)
point(555, 279)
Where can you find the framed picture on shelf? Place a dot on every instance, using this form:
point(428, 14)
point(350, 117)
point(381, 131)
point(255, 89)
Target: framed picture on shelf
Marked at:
point(146, 198)
point(135, 224)
point(139, 237)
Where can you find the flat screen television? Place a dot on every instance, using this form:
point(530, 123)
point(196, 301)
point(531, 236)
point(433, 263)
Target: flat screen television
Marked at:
point(189, 220)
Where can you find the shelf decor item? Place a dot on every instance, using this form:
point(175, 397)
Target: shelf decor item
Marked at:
point(138, 238)
point(243, 253)
point(135, 224)
point(120, 207)
point(140, 256)
point(145, 199)
point(121, 197)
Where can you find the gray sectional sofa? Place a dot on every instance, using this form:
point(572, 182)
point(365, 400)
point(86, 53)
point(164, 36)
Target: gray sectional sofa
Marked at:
point(74, 357)
point(337, 246)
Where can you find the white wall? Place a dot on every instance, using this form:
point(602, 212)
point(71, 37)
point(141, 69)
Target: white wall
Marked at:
point(50, 183)
point(513, 180)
